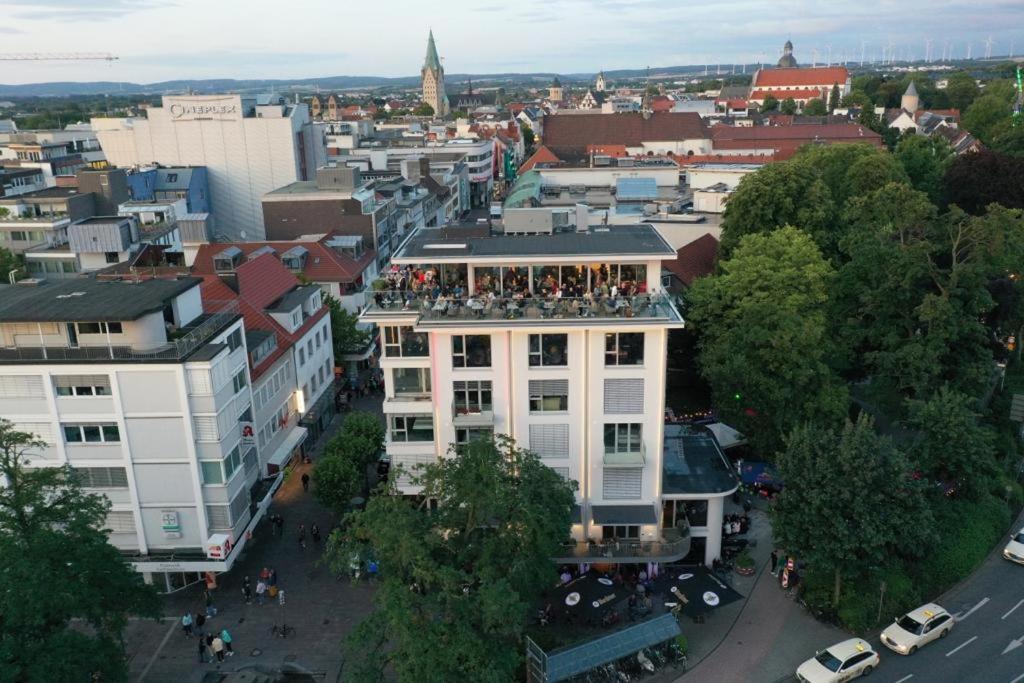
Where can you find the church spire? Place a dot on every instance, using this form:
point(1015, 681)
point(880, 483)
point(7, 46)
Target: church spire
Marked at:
point(432, 61)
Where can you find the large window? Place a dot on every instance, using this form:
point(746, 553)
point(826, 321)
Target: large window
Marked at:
point(101, 477)
point(99, 328)
point(549, 350)
point(238, 381)
point(411, 381)
point(622, 438)
point(91, 433)
point(472, 397)
point(471, 351)
point(464, 435)
point(402, 342)
point(549, 395)
point(412, 428)
point(620, 531)
point(624, 348)
point(82, 385)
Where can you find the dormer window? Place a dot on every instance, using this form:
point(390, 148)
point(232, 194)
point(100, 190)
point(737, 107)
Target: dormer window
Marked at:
point(227, 261)
point(295, 258)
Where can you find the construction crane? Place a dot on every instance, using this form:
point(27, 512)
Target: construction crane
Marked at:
point(56, 56)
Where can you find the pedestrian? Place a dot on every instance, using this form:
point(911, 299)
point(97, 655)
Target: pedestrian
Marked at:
point(775, 561)
point(226, 637)
point(218, 648)
point(279, 521)
point(314, 531)
point(261, 589)
point(202, 651)
point(209, 645)
point(272, 580)
point(211, 611)
point(200, 622)
point(305, 481)
point(302, 535)
point(247, 590)
point(264, 575)
point(186, 625)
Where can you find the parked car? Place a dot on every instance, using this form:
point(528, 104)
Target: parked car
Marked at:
point(841, 662)
point(918, 628)
point(1014, 550)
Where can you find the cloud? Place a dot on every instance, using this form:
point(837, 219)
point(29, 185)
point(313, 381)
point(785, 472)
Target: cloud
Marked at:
point(10, 30)
point(81, 10)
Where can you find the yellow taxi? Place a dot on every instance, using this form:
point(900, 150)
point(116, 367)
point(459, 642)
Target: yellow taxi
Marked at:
point(1014, 550)
point(841, 662)
point(918, 628)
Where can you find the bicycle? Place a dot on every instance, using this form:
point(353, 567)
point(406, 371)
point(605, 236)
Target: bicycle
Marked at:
point(282, 631)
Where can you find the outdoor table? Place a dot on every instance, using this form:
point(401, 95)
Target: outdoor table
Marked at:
point(475, 305)
point(441, 306)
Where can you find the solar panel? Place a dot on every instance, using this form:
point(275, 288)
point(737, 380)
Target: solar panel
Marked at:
point(636, 189)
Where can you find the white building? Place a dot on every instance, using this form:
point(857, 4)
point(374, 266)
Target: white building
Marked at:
point(579, 381)
point(250, 146)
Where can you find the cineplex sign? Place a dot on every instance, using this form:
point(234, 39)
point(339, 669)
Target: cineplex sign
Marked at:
point(191, 110)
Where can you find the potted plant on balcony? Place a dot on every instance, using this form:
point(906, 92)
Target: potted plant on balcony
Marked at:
point(379, 284)
point(745, 564)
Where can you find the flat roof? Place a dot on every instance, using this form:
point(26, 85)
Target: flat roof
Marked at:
point(88, 299)
point(693, 463)
point(433, 244)
point(103, 220)
point(48, 193)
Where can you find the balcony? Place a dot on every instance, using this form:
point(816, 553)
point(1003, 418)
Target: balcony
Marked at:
point(625, 550)
point(633, 457)
point(479, 415)
point(393, 305)
point(408, 403)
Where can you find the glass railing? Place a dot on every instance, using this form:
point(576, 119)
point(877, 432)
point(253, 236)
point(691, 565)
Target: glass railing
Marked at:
point(471, 309)
point(631, 457)
point(662, 550)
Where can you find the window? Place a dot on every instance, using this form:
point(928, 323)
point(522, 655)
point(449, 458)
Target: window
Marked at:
point(549, 350)
point(101, 477)
point(402, 342)
point(472, 397)
point(239, 381)
point(464, 435)
point(88, 328)
point(411, 381)
point(550, 441)
point(82, 385)
point(309, 348)
point(622, 483)
point(21, 386)
point(622, 438)
point(624, 348)
point(172, 177)
point(234, 340)
point(549, 395)
point(412, 428)
point(624, 396)
point(120, 522)
point(471, 351)
point(318, 339)
point(620, 531)
point(231, 462)
point(302, 356)
point(91, 433)
point(213, 472)
point(110, 256)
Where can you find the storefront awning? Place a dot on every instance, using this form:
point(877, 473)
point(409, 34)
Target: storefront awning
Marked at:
point(623, 514)
point(294, 438)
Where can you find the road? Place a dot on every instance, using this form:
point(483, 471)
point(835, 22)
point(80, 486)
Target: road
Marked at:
point(987, 643)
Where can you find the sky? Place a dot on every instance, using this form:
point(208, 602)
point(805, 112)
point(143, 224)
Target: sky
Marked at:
point(159, 40)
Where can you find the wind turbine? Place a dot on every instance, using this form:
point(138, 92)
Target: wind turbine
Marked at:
point(988, 48)
point(863, 46)
point(814, 57)
point(969, 46)
point(829, 54)
point(928, 50)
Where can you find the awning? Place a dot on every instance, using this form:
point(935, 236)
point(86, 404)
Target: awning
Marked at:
point(726, 436)
point(294, 438)
point(623, 514)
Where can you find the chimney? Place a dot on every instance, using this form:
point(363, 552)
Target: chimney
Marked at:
point(338, 178)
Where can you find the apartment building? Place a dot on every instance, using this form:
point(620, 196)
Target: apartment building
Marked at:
point(558, 340)
point(145, 396)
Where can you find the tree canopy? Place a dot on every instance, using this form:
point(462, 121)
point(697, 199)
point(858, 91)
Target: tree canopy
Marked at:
point(788, 106)
point(815, 107)
point(57, 566)
point(974, 181)
point(456, 582)
point(345, 333)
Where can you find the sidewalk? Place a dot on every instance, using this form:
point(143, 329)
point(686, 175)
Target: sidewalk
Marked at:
point(321, 608)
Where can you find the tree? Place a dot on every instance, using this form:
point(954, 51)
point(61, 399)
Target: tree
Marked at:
point(973, 181)
point(362, 425)
point(57, 566)
point(423, 109)
point(529, 138)
point(458, 581)
point(925, 160)
point(987, 118)
point(1010, 142)
point(856, 98)
point(763, 344)
point(769, 104)
point(788, 106)
point(834, 98)
point(345, 333)
point(952, 446)
point(340, 473)
point(849, 502)
point(816, 107)
point(962, 89)
point(8, 262)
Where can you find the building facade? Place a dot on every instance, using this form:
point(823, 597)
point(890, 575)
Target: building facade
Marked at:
point(434, 93)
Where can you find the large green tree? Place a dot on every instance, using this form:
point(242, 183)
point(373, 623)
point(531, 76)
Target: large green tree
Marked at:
point(457, 582)
point(764, 347)
point(850, 501)
point(345, 333)
point(8, 262)
point(925, 160)
point(962, 89)
point(988, 117)
point(56, 566)
point(815, 107)
point(974, 181)
point(788, 106)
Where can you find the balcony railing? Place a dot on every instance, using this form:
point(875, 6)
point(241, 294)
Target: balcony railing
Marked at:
point(625, 550)
point(631, 457)
point(27, 218)
point(187, 341)
point(483, 310)
point(479, 415)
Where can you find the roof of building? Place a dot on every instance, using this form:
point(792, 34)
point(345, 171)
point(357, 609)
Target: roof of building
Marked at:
point(88, 299)
point(783, 95)
point(694, 463)
point(695, 259)
point(911, 90)
point(800, 76)
point(48, 193)
point(432, 61)
point(627, 128)
point(432, 244)
point(323, 264)
point(825, 131)
point(173, 178)
point(543, 155)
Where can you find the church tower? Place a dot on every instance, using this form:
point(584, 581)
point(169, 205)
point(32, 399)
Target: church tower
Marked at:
point(600, 84)
point(787, 61)
point(433, 80)
point(910, 101)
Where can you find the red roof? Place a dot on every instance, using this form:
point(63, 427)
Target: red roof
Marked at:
point(724, 159)
point(610, 150)
point(782, 95)
point(264, 280)
point(784, 141)
point(944, 113)
point(630, 129)
point(805, 76)
point(695, 259)
point(323, 264)
point(543, 155)
point(662, 105)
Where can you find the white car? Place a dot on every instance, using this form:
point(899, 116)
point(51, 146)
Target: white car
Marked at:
point(841, 662)
point(918, 628)
point(1014, 550)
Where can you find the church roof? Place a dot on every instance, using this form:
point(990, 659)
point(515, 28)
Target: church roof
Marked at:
point(911, 90)
point(432, 61)
point(801, 77)
point(555, 83)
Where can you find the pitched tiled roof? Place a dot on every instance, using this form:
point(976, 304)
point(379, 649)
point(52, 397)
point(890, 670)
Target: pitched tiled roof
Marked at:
point(825, 76)
point(543, 155)
point(782, 95)
point(695, 259)
point(805, 132)
point(264, 280)
point(323, 264)
point(685, 161)
point(630, 129)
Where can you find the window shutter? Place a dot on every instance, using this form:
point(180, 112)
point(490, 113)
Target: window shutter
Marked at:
point(549, 387)
point(240, 504)
point(550, 441)
point(624, 396)
point(82, 381)
point(199, 382)
point(206, 428)
point(21, 386)
point(249, 461)
point(563, 472)
point(120, 522)
point(622, 483)
point(43, 431)
point(218, 517)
